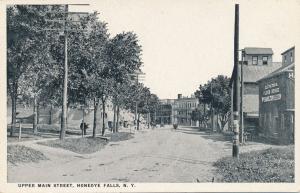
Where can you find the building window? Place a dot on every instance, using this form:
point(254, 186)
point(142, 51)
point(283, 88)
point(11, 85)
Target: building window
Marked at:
point(265, 60)
point(291, 54)
point(284, 58)
point(254, 60)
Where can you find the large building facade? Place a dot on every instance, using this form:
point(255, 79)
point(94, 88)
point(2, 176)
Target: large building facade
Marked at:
point(277, 102)
point(257, 63)
point(163, 113)
point(177, 111)
point(183, 108)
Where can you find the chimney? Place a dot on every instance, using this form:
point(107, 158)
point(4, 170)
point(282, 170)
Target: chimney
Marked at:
point(179, 96)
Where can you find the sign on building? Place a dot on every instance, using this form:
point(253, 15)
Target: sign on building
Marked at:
point(271, 92)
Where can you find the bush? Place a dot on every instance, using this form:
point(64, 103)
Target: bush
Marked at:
point(271, 165)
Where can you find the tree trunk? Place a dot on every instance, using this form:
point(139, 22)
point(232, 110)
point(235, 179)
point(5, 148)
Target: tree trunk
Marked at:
point(95, 117)
point(204, 117)
point(35, 116)
point(68, 105)
point(138, 122)
point(103, 117)
point(148, 120)
point(115, 116)
point(38, 113)
point(118, 117)
point(218, 125)
point(13, 112)
point(50, 115)
point(212, 118)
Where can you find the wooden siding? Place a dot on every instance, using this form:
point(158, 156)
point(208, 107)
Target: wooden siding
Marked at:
point(276, 100)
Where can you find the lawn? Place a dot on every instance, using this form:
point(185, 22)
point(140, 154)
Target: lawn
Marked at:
point(84, 145)
point(21, 153)
point(271, 165)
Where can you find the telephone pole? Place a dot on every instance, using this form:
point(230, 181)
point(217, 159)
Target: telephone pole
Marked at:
point(65, 31)
point(212, 108)
point(65, 82)
point(236, 91)
point(242, 101)
point(138, 76)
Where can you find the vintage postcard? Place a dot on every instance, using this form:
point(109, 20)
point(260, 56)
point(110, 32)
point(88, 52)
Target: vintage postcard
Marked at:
point(149, 96)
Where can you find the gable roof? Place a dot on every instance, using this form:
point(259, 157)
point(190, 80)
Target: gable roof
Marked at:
point(254, 73)
point(279, 71)
point(256, 50)
point(292, 48)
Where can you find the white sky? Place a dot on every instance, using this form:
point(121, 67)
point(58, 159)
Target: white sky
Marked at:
point(187, 42)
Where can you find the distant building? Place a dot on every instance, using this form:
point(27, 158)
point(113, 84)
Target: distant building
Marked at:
point(164, 112)
point(277, 101)
point(183, 108)
point(257, 63)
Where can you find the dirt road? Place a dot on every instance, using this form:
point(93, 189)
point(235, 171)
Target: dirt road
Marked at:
point(159, 155)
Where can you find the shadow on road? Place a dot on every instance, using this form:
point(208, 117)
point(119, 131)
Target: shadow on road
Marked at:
point(180, 159)
point(205, 134)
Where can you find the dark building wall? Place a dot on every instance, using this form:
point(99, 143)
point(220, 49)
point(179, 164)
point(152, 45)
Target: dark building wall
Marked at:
point(276, 108)
point(290, 88)
point(288, 57)
point(164, 114)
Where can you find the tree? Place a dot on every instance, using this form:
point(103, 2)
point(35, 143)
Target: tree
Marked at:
point(124, 57)
point(216, 93)
point(222, 98)
point(89, 65)
point(35, 85)
point(204, 96)
point(27, 49)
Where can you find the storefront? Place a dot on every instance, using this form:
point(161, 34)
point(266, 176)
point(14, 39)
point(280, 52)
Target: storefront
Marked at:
point(277, 105)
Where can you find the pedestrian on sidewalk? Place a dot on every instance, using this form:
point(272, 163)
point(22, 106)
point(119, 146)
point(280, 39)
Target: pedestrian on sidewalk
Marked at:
point(83, 127)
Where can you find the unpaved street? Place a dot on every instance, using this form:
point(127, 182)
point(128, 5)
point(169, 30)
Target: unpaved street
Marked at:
point(159, 155)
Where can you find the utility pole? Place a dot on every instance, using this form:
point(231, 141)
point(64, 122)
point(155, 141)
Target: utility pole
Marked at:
point(65, 31)
point(212, 108)
point(241, 107)
point(136, 76)
point(236, 82)
point(136, 105)
point(65, 82)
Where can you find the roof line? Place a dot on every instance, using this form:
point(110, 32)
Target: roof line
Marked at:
point(277, 72)
point(288, 50)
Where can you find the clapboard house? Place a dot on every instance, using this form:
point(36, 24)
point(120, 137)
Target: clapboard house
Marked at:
point(257, 63)
point(277, 101)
